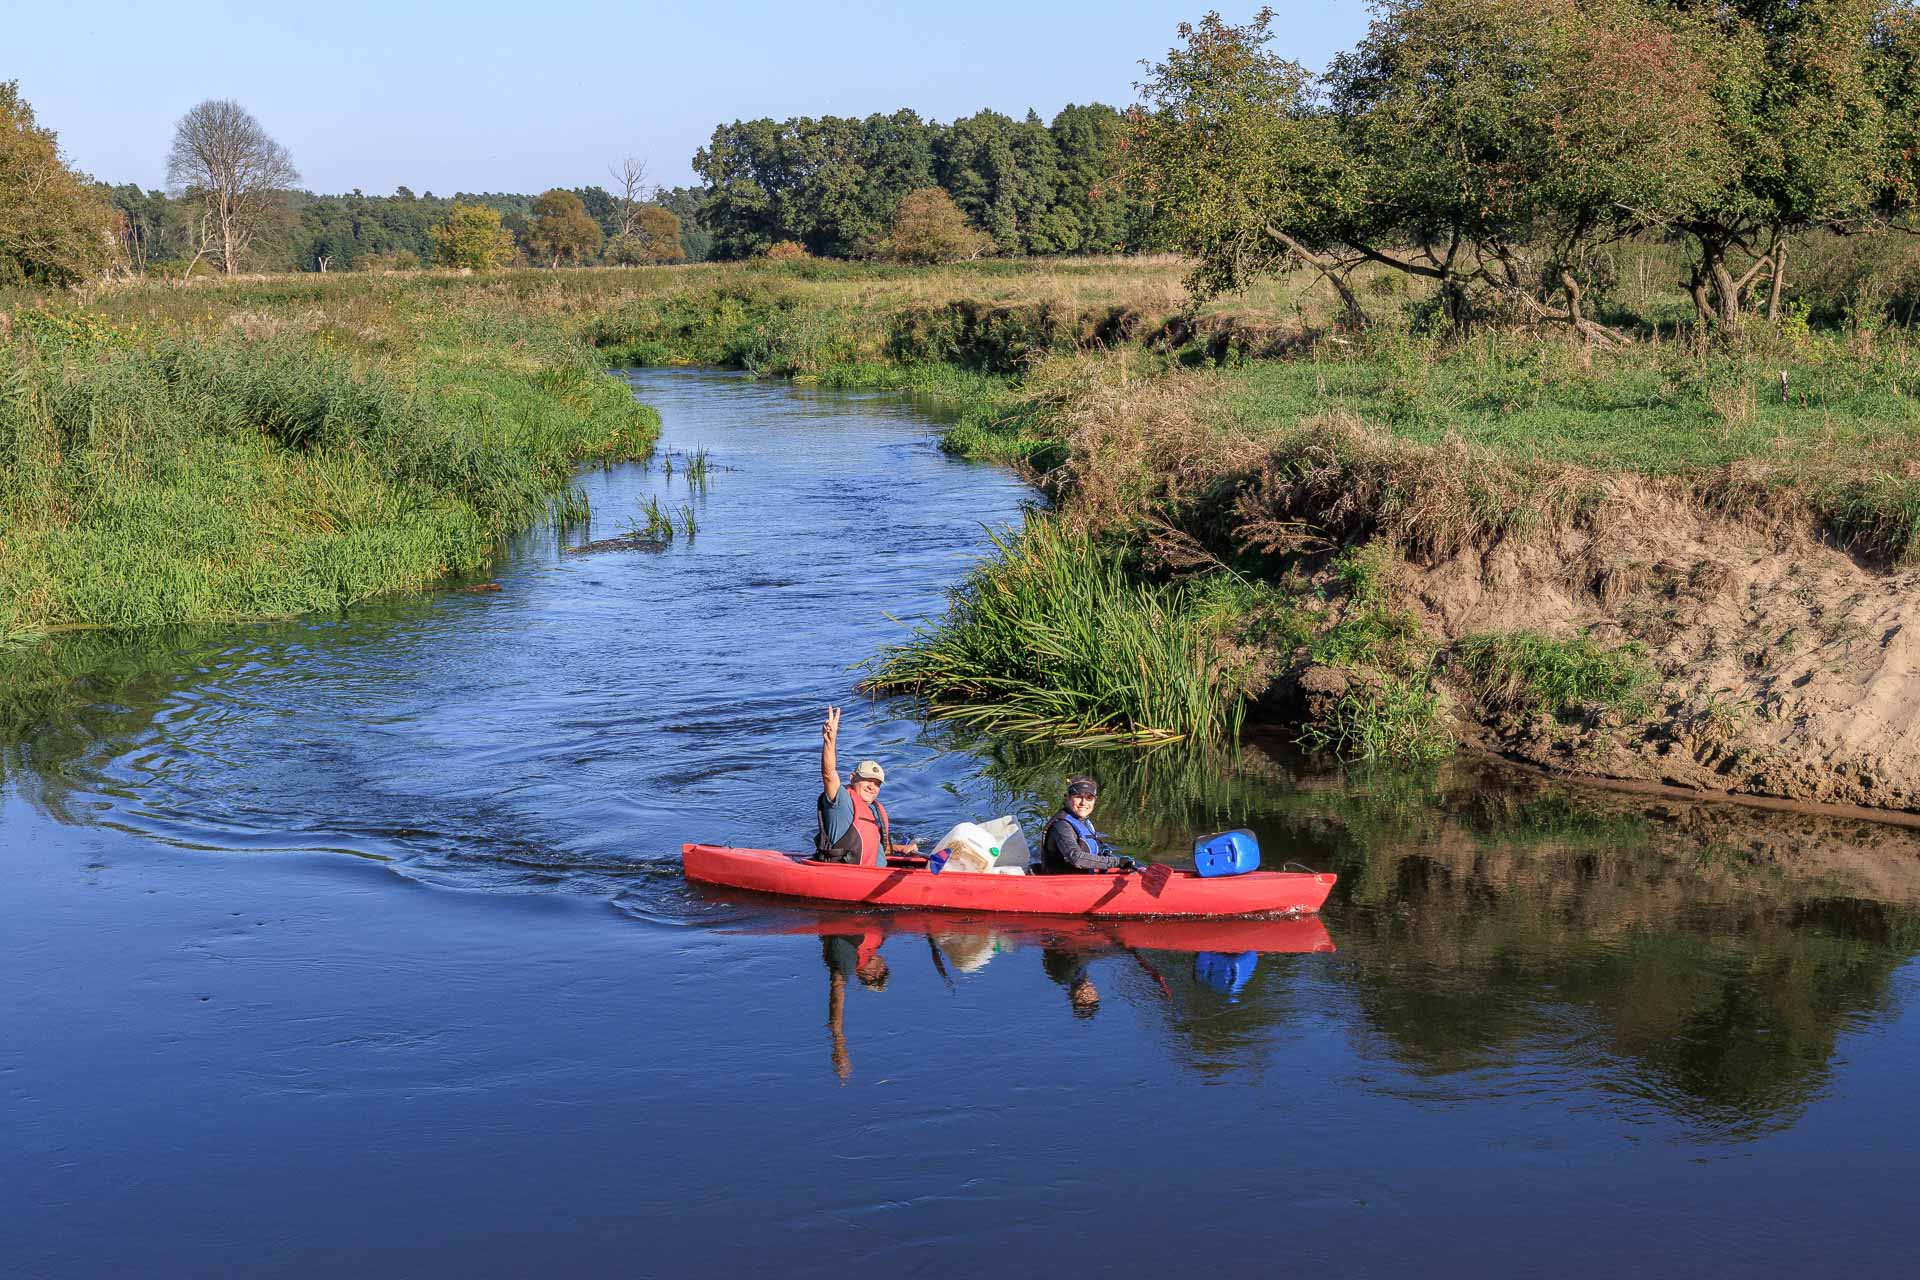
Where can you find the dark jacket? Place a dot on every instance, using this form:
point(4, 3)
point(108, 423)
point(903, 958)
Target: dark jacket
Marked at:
point(1063, 852)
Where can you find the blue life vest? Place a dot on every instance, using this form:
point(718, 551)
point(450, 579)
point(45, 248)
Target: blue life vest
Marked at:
point(1085, 831)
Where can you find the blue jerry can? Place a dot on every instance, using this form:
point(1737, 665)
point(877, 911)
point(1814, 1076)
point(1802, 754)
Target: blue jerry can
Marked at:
point(1231, 853)
point(1221, 972)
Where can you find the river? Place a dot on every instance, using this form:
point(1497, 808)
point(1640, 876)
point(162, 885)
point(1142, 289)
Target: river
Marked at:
point(358, 945)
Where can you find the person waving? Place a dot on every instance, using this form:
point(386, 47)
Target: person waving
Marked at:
point(853, 822)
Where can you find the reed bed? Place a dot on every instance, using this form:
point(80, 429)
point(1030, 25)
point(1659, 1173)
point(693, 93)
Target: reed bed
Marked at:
point(1051, 638)
point(153, 475)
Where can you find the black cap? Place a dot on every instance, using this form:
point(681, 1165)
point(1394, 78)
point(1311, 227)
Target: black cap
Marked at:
point(1082, 786)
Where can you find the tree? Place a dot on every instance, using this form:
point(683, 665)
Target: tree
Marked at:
point(655, 238)
point(1816, 121)
point(630, 180)
point(472, 237)
point(562, 229)
point(928, 227)
point(222, 158)
point(1489, 146)
point(659, 234)
point(54, 227)
point(1088, 142)
point(1503, 141)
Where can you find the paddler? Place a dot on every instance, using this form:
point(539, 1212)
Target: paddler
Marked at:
point(853, 822)
point(1071, 845)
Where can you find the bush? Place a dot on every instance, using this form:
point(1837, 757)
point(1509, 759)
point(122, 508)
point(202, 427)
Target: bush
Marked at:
point(787, 251)
point(472, 237)
point(928, 227)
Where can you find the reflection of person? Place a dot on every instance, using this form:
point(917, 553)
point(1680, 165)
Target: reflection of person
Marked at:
point(1071, 844)
point(1068, 967)
point(853, 822)
point(859, 956)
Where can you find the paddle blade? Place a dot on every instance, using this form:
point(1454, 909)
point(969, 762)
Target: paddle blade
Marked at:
point(1155, 877)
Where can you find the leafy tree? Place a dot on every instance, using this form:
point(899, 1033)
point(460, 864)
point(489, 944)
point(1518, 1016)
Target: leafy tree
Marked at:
point(222, 159)
point(54, 227)
point(974, 160)
point(1815, 117)
point(655, 238)
point(1088, 140)
point(1487, 145)
point(561, 229)
point(602, 207)
point(659, 234)
point(146, 230)
point(686, 204)
point(928, 227)
point(472, 237)
point(1505, 139)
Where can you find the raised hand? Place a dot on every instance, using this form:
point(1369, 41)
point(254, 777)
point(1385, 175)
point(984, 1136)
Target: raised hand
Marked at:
point(829, 768)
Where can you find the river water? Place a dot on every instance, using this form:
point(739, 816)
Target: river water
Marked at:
point(359, 945)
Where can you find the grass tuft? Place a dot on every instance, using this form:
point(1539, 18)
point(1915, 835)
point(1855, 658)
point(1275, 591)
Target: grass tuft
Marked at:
point(1527, 673)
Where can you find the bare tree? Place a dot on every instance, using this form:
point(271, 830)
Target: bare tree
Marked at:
point(223, 158)
point(630, 175)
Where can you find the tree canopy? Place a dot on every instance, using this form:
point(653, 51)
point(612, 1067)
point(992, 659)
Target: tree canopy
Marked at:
point(54, 227)
point(561, 230)
point(472, 237)
point(1493, 145)
point(834, 183)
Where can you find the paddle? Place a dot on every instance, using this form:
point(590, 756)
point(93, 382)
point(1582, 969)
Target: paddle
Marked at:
point(939, 964)
point(1140, 960)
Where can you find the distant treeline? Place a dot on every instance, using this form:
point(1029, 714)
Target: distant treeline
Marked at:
point(358, 232)
point(833, 184)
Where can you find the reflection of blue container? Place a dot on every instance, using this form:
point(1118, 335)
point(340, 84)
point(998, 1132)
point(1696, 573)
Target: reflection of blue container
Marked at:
point(1226, 974)
point(1231, 853)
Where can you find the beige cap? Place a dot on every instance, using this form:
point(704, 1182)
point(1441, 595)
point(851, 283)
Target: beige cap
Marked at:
point(869, 769)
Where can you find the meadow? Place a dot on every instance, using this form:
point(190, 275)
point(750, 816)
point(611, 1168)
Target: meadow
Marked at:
point(1222, 473)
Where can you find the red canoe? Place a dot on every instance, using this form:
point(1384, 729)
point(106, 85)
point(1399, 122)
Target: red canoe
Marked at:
point(1181, 894)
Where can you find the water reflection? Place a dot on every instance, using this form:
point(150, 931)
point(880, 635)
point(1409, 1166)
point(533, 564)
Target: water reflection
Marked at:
point(1212, 962)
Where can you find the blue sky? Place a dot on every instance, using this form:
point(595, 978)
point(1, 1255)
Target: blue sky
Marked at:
point(484, 96)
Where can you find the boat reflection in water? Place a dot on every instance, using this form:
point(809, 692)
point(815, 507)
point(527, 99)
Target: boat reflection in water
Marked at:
point(1222, 955)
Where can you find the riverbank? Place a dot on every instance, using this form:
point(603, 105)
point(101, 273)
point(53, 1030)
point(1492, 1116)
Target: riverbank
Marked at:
point(224, 454)
point(1666, 562)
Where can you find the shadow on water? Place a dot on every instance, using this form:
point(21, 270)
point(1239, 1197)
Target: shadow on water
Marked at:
point(1695, 959)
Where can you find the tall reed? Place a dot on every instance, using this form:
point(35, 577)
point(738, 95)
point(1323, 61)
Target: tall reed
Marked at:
point(1052, 638)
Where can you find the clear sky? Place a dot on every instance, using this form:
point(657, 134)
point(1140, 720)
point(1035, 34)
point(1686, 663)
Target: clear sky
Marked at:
point(484, 96)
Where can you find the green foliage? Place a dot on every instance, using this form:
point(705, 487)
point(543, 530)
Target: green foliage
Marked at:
point(1493, 146)
point(928, 227)
point(1052, 638)
point(156, 478)
point(833, 184)
point(1392, 718)
point(1527, 673)
point(472, 237)
point(54, 227)
point(561, 230)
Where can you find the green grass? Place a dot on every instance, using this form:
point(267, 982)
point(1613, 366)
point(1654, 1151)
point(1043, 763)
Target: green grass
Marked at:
point(1528, 673)
point(1052, 638)
point(152, 476)
point(1395, 718)
point(1659, 411)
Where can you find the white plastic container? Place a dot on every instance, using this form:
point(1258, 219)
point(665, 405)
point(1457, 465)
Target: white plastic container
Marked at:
point(968, 848)
point(1012, 841)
